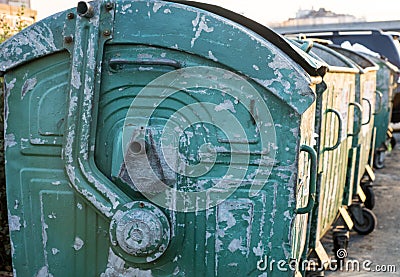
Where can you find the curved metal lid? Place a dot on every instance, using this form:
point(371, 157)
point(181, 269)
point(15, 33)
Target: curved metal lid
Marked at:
point(334, 60)
point(48, 36)
point(365, 63)
point(381, 61)
point(312, 67)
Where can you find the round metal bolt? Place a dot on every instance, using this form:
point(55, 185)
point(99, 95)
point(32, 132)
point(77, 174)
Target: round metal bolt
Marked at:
point(71, 16)
point(68, 39)
point(109, 6)
point(107, 33)
point(84, 9)
point(142, 233)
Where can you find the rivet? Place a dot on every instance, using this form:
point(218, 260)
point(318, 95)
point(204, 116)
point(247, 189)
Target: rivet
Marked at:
point(68, 39)
point(107, 33)
point(109, 6)
point(71, 16)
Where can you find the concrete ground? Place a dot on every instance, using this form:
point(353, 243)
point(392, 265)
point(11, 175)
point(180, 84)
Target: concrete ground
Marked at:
point(380, 250)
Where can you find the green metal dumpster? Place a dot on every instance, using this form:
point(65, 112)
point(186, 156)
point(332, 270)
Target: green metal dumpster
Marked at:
point(386, 83)
point(144, 138)
point(361, 174)
point(334, 119)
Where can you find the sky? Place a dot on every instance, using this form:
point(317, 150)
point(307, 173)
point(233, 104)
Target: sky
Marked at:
point(266, 11)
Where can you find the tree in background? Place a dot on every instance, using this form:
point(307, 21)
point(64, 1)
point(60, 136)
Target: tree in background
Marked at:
point(7, 30)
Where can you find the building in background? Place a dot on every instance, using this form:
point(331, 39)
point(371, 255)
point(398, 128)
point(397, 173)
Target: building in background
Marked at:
point(14, 15)
point(26, 3)
point(319, 17)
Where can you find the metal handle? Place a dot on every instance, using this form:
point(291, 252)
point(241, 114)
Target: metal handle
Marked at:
point(339, 137)
point(114, 62)
point(313, 180)
point(380, 96)
point(370, 111)
point(80, 166)
point(307, 45)
point(359, 108)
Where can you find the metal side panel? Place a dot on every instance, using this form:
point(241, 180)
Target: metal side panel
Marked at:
point(348, 192)
point(385, 81)
point(53, 231)
point(333, 161)
point(339, 94)
point(368, 100)
point(301, 227)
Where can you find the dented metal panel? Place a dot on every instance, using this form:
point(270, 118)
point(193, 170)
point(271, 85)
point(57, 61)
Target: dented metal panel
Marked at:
point(69, 166)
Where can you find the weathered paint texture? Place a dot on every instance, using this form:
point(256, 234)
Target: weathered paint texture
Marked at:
point(36, 41)
point(65, 150)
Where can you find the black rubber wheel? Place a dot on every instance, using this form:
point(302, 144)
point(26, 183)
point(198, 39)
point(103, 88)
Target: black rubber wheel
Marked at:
point(393, 142)
point(370, 197)
point(369, 224)
point(379, 159)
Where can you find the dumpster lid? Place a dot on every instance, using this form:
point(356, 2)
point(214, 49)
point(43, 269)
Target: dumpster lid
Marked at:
point(334, 60)
point(376, 40)
point(382, 61)
point(39, 40)
point(312, 67)
point(365, 63)
point(46, 37)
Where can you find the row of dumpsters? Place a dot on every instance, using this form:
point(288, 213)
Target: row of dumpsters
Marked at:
point(149, 138)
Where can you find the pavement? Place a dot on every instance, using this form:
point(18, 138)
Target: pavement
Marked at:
point(378, 253)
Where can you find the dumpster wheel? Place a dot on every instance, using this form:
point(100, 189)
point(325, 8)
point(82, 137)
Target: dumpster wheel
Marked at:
point(370, 196)
point(379, 159)
point(368, 224)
